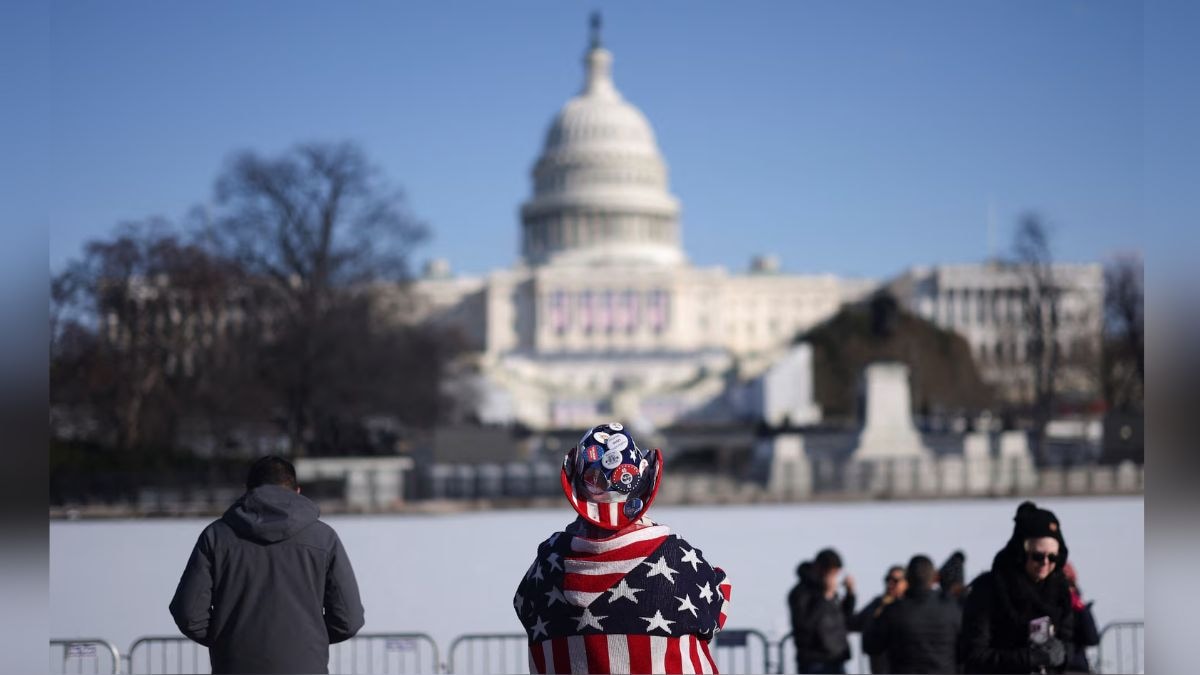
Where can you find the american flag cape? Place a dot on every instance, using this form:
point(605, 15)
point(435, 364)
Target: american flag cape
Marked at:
point(643, 601)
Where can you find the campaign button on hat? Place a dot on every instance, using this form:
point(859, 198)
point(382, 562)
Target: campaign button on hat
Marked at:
point(625, 474)
point(618, 442)
point(611, 459)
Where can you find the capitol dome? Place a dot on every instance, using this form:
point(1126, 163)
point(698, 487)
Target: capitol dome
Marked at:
point(600, 190)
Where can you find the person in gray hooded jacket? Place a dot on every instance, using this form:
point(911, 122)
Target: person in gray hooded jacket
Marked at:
point(268, 586)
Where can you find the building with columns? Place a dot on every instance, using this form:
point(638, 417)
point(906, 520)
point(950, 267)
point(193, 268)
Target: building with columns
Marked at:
point(603, 315)
point(985, 303)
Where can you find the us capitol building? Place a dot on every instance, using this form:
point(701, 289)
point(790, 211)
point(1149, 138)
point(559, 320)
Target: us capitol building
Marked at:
point(603, 316)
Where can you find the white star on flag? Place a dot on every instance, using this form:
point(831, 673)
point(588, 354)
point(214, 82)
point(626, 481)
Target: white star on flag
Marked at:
point(553, 538)
point(657, 621)
point(554, 595)
point(537, 571)
point(689, 556)
point(588, 619)
point(624, 590)
point(553, 560)
point(519, 602)
point(685, 604)
point(660, 567)
point(705, 591)
point(539, 627)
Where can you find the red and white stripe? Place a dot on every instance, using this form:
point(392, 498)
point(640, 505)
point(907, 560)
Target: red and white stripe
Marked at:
point(621, 654)
point(595, 565)
point(726, 590)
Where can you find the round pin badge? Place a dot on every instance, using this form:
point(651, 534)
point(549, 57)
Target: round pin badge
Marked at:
point(615, 426)
point(618, 442)
point(611, 459)
point(625, 474)
point(600, 436)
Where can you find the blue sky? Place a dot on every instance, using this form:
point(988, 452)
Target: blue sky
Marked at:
point(855, 138)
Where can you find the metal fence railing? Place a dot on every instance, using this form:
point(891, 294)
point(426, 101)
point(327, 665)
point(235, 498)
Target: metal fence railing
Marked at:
point(385, 653)
point(785, 655)
point(741, 651)
point(367, 653)
point(1121, 648)
point(489, 653)
point(167, 655)
point(84, 655)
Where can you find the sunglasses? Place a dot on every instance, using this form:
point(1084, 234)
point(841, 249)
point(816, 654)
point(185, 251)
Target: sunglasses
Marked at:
point(1039, 557)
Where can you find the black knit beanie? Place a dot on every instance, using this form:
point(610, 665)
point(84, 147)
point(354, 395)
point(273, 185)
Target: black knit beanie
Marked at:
point(1032, 523)
point(952, 570)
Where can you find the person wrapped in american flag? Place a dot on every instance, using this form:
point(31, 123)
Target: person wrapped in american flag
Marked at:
point(615, 592)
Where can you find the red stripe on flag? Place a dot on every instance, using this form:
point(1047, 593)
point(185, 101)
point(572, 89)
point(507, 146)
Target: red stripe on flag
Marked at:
point(597, 653)
point(639, 654)
point(671, 661)
point(694, 654)
point(590, 583)
point(708, 655)
point(638, 549)
point(539, 659)
point(562, 655)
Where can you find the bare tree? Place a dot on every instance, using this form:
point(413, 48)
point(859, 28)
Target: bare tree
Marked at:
point(132, 324)
point(319, 224)
point(1040, 317)
point(1124, 344)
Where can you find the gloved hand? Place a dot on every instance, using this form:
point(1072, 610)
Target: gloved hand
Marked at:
point(1050, 654)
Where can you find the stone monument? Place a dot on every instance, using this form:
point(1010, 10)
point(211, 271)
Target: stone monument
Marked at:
point(888, 432)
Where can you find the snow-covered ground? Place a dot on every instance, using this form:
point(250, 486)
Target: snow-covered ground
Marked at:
point(451, 574)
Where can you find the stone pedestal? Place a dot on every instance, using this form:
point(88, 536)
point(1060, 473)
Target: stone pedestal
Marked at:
point(1016, 471)
point(789, 476)
point(888, 431)
point(952, 474)
point(1128, 479)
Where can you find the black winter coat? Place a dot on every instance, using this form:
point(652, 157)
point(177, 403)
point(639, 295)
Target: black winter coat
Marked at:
point(819, 625)
point(918, 633)
point(268, 587)
point(861, 623)
point(995, 630)
point(1086, 635)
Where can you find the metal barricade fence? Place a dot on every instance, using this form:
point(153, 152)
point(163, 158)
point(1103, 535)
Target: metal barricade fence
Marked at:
point(489, 653)
point(368, 653)
point(167, 655)
point(385, 653)
point(737, 650)
point(1121, 648)
point(785, 655)
point(84, 655)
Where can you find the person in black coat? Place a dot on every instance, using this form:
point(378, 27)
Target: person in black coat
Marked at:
point(1086, 633)
point(1018, 617)
point(268, 586)
point(951, 578)
point(918, 633)
point(894, 585)
point(819, 618)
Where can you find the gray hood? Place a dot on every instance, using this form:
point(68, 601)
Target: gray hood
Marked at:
point(271, 513)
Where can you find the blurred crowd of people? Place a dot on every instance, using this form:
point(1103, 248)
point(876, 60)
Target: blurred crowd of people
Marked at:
point(1025, 614)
